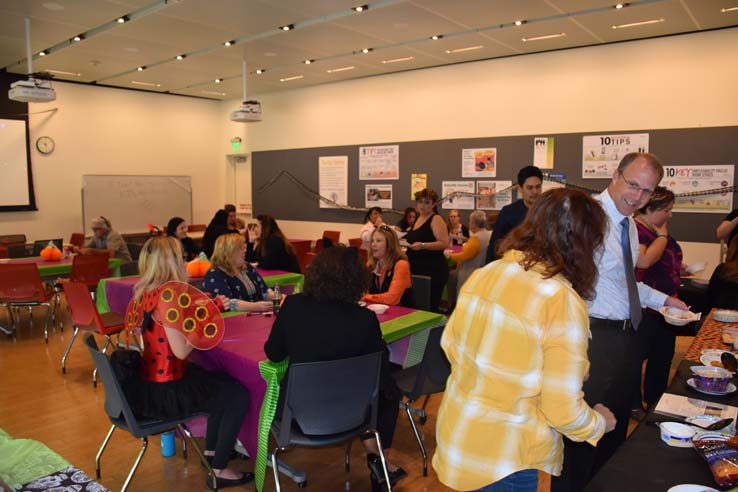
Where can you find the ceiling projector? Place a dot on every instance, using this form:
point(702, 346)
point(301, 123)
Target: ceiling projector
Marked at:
point(249, 111)
point(32, 90)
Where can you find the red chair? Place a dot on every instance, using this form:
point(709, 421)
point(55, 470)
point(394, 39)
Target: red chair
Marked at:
point(86, 317)
point(355, 242)
point(332, 235)
point(88, 270)
point(307, 259)
point(20, 285)
point(301, 249)
point(77, 239)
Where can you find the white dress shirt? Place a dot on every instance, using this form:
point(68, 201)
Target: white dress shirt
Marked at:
point(612, 291)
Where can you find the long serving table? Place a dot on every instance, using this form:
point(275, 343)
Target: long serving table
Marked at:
point(646, 464)
point(242, 349)
point(61, 268)
point(114, 294)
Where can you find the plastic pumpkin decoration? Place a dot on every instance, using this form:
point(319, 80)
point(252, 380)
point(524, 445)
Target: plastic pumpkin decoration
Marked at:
point(51, 252)
point(199, 266)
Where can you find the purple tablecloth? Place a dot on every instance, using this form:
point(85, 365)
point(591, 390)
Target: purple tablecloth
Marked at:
point(240, 351)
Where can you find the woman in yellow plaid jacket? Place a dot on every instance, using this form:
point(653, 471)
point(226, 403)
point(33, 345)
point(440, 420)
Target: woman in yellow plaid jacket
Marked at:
point(517, 344)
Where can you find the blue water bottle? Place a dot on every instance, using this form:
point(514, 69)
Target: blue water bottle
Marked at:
point(168, 446)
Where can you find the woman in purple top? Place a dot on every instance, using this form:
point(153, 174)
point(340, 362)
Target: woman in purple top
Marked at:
point(659, 266)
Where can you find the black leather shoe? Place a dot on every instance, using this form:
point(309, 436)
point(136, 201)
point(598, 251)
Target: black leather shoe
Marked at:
point(375, 465)
point(223, 483)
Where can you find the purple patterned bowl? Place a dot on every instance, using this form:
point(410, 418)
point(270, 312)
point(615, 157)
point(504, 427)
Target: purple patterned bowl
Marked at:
point(714, 379)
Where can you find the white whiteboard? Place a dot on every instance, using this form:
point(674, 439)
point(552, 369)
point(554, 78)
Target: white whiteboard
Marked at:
point(14, 169)
point(131, 202)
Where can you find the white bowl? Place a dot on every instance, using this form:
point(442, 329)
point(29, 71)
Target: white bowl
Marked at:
point(690, 487)
point(726, 315)
point(677, 317)
point(677, 435)
point(696, 267)
point(378, 308)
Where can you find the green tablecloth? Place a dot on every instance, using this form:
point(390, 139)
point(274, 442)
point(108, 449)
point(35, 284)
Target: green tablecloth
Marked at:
point(295, 279)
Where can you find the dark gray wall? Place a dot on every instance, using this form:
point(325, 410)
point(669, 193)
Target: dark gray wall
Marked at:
point(441, 159)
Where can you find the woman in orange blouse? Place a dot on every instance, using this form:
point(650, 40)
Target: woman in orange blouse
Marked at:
point(391, 270)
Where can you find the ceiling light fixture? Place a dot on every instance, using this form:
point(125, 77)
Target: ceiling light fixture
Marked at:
point(61, 72)
point(547, 36)
point(520, 22)
point(397, 60)
point(218, 81)
point(145, 84)
point(122, 20)
point(141, 68)
point(621, 6)
point(78, 37)
point(229, 43)
point(360, 8)
point(181, 57)
point(288, 27)
point(436, 37)
point(729, 9)
point(41, 53)
point(260, 71)
point(636, 24)
point(308, 62)
point(287, 79)
point(213, 93)
point(367, 50)
point(468, 48)
point(341, 69)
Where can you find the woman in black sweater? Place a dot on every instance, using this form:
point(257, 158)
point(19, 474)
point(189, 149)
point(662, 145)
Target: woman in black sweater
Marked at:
point(326, 323)
point(269, 247)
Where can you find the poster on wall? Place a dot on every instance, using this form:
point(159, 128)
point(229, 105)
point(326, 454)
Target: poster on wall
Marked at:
point(418, 182)
point(479, 163)
point(493, 195)
point(462, 202)
point(378, 195)
point(333, 180)
point(691, 179)
point(601, 154)
point(553, 180)
point(543, 152)
point(379, 162)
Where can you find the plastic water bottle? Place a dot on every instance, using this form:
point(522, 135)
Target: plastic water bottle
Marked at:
point(168, 446)
point(276, 299)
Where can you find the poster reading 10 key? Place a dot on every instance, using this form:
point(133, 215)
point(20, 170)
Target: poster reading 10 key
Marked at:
point(602, 153)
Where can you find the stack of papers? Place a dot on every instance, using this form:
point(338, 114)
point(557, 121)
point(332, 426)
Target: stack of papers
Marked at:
point(682, 406)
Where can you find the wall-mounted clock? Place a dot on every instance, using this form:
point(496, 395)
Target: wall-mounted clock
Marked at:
point(45, 145)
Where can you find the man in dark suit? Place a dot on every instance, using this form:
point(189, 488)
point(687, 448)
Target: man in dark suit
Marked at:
point(530, 182)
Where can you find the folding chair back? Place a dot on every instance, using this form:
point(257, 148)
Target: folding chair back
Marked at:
point(77, 239)
point(21, 283)
point(421, 287)
point(332, 235)
point(89, 269)
point(81, 306)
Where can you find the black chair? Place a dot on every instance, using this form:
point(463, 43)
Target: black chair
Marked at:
point(40, 244)
point(135, 250)
point(17, 251)
point(421, 285)
point(328, 403)
point(121, 416)
point(427, 378)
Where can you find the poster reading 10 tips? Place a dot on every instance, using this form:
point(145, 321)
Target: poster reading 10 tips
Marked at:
point(601, 154)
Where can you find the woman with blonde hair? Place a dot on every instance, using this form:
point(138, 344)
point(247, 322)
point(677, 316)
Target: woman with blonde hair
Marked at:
point(233, 278)
point(390, 270)
point(170, 387)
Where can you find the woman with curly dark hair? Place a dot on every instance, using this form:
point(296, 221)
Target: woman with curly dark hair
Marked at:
point(517, 344)
point(325, 323)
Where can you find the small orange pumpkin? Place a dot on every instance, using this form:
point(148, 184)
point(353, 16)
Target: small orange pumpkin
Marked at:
point(51, 253)
point(199, 266)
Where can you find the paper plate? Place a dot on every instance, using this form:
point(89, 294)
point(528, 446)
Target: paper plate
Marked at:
point(690, 487)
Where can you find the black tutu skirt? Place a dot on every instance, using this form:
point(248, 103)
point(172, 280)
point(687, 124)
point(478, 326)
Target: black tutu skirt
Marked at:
point(193, 393)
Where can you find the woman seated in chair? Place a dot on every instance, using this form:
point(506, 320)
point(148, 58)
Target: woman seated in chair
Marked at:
point(372, 220)
point(217, 227)
point(177, 228)
point(233, 278)
point(408, 219)
point(169, 386)
point(325, 323)
point(390, 279)
point(269, 246)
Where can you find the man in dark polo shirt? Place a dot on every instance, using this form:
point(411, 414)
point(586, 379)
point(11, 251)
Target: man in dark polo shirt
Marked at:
point(614, 315)
point(530, 181)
